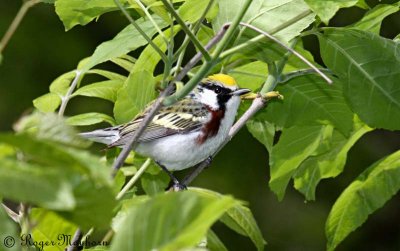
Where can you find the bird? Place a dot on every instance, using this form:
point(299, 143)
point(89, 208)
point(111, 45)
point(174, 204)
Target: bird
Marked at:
point(186, 133)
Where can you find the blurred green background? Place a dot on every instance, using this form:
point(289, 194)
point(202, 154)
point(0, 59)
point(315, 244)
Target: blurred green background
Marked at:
point(41, 50)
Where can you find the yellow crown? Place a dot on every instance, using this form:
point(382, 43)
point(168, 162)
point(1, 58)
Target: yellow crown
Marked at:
point(224, 79)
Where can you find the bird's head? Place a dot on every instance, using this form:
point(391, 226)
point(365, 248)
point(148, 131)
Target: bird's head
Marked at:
point(217, 90)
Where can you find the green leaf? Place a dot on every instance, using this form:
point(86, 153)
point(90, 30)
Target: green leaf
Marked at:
point(369, 67)
point(34, 184)
point(329, 164)
point(138, 91)
point(154, 184)
point(129, 39)
point(107, 89)
point(295, 145)
point(251, 75)
point(48, 102)
point(51, 229)
point(157, 224)
point(108, 74)
point(90, 118)
point(369, 192)
point(214, 243)
point(263, 131)
point(8, 233)
point(239, 218)
point(327, 9)
point(372, 20)
point(268, 15)
point(191, 10)
point(309, 100)
point(61, 84)
point(74, 12)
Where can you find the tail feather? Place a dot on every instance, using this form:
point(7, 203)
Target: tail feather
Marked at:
point(105, 136)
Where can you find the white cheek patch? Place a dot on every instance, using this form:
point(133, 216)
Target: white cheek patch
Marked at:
point(209, 98)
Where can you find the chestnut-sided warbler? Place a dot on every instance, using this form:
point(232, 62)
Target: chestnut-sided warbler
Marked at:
point(187, 132)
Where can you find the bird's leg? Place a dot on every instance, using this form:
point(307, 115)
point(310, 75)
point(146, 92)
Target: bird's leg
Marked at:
point(177, 186)
point(198, 169)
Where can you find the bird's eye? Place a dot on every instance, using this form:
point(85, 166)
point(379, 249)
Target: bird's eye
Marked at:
point(218, 90)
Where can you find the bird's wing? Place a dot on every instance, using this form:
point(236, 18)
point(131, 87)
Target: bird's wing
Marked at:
point(185, 116)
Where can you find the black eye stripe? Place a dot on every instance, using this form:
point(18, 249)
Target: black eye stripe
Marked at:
point(216, 88)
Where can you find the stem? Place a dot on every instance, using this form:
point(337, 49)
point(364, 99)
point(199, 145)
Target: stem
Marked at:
point(188, 32)
point(67, 97)
point(152, 20)
point(144, 35)
point(16, 22)
point(75, 241)
point(133, 180)
point(288, 76)
point(225, 40)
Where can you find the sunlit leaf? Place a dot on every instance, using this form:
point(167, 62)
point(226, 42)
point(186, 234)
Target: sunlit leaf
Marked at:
point(263, 131)
point(251, 75)
point(8, 233)
point(214, 243)
point(329, 164)
point(372, 20)
point(295, 145)
point(48, 102)
point(309, 100)
point(107, 89)
point(90, 118)
point(369, 67)
point(157, 224)
point(327, 9)
point(239, 218)
point(50, 228)
point(369, 192)
point(191, 10)
point(108, 74)
point(127, 40)
point(133, 98)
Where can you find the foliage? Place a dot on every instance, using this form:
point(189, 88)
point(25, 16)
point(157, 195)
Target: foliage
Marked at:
point(45, 165)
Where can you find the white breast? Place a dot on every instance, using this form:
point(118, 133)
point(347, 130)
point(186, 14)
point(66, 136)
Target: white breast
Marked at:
point(177, 152)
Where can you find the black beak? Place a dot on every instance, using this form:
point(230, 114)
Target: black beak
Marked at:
point(240, 92)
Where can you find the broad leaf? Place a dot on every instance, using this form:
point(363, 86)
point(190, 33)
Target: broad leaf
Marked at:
point(74, 12)
point(326, 9)
point(214, 243)
point(369, 192)
point(369, 67)
point(309, 100)
point(239, 218)
point(108, 74)
point(372, 20)
point(295, 145)
point(268, 15)
point(251, 75)
point(51, 229)
point(8, 233)
point(133, 98)
point(154, 184)
point(157, 224)
point(192, 10)
point(329, 164)
point(107, 89)
point(129, 39)
point(90, 118)
point(263, 131)
point(31, 183)
point(48, 102)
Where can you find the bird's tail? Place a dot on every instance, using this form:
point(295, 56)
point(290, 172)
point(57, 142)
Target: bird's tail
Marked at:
point(106, 136)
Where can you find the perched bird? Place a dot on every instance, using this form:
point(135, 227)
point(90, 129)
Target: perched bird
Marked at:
point(186, 133)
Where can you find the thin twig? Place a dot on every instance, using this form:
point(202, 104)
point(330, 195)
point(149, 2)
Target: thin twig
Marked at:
point(16, 22)
point(66, 98)
point(327, 79)
point(11, 213)
point(144, 35)
point(188, 32)
point(288, 76)
point(133, 180)
point(75, 241)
